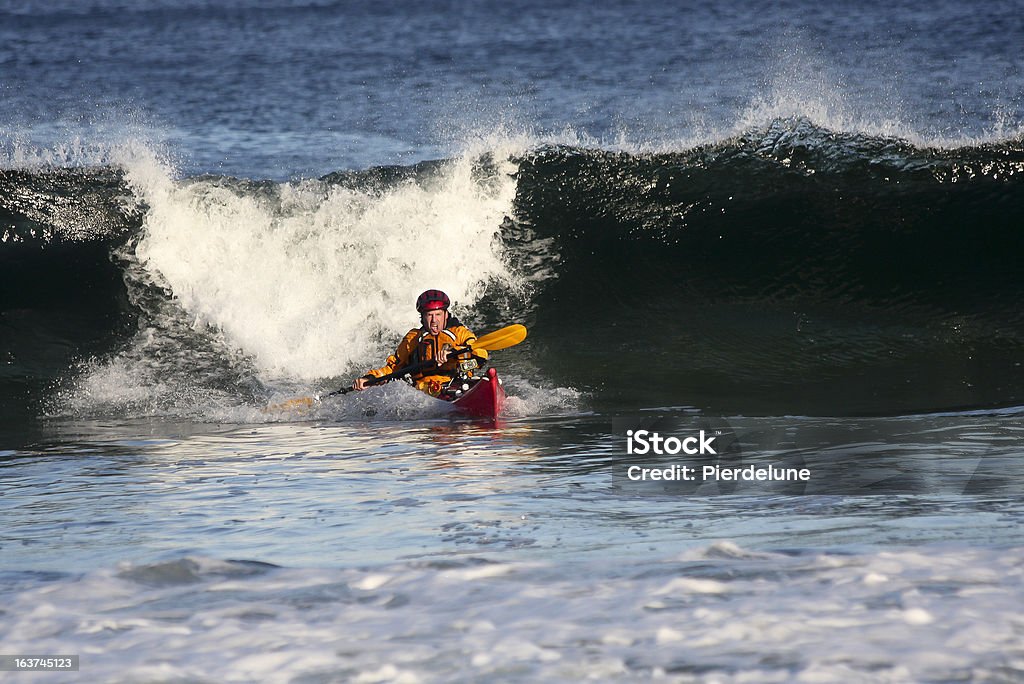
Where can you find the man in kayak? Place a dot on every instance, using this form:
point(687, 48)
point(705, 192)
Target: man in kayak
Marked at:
point(435, 340)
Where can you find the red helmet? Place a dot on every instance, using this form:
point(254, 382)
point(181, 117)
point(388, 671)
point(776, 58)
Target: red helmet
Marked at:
point(431, 300)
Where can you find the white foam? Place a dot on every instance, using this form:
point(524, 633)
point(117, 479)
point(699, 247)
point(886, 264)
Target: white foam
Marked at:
point(528, 399)
point(307, 283)
point(372, 582)
point(547, 622)
point(387, 673)
point(917, 616)
point(691, 585)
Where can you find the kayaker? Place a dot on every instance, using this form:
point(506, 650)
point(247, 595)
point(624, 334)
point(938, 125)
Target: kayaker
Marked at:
point(439, 334)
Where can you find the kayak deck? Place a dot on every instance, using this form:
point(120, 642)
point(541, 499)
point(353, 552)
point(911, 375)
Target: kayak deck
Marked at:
point(483, 399)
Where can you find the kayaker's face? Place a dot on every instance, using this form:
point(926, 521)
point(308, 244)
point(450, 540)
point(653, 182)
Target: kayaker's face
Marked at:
point(435, 320)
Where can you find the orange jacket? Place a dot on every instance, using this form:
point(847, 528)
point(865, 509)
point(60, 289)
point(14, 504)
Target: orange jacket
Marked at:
point(420, 345)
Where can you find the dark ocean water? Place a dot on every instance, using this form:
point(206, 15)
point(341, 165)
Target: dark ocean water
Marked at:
point(795, 225)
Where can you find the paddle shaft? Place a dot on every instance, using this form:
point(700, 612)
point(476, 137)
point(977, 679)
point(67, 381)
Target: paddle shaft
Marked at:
point(400, 373)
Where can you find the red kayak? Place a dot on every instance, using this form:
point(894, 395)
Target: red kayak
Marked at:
point(483, 398)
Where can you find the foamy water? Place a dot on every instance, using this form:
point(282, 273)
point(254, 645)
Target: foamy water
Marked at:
point(714, 613)
point(433, 550)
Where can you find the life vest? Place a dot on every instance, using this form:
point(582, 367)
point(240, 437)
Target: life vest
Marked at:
point(420, 345)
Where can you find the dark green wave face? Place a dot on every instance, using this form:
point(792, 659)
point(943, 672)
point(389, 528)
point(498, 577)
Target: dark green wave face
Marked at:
point(62, 297)
point(788, 270)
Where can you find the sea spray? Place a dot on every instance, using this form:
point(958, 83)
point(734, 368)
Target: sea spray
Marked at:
point(309, 278)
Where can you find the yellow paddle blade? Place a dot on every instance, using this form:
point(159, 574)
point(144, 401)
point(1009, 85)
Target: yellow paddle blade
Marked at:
point(292, 405)
point(501, 339)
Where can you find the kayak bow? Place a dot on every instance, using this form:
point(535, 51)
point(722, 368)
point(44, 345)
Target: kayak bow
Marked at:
point(483, 399)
